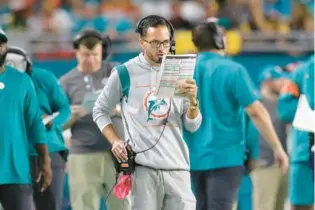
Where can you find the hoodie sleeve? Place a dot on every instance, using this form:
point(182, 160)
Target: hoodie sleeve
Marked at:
point(107, 100)
point(191, 125)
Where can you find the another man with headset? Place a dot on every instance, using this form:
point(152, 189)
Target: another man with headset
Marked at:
point(161, 179)
point(52, 100)
point(91, 170)
point(217, 149)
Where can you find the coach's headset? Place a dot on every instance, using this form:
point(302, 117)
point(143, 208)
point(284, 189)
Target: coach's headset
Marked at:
point(217, 34)
point(106, 42)
point(142, 22)
point(21, 52)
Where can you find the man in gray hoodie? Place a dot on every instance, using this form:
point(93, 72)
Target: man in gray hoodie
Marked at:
point(153, 125)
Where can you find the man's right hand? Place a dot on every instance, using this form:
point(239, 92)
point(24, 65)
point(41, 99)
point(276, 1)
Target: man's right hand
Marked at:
point(45, 174)
point(119, 150)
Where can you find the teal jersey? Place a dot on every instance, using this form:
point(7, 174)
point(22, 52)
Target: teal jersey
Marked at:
point(224, 89)
point(20, 125)
point(51, 99)
point(288, 101)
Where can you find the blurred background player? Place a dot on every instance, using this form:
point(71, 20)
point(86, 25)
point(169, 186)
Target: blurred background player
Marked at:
point(270, 194)
point(20, 125)
point(215, 177)
point(52, 100)
point(91, 169)
point(301, 181)
point(309, 93)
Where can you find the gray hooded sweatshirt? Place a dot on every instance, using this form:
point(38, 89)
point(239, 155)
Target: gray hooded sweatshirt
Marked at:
point(144, 116)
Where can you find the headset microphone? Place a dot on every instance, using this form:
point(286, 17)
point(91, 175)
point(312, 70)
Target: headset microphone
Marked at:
point(21, 52)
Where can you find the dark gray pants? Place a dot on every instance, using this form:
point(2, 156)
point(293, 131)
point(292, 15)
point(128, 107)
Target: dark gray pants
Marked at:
point(50, 199)
point(216, 189)
point(16, 196)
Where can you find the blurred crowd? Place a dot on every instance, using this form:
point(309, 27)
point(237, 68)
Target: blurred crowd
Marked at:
point(118, 17)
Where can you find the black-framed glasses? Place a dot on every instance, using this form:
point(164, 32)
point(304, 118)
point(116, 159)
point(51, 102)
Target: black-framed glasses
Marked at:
point(157, 44)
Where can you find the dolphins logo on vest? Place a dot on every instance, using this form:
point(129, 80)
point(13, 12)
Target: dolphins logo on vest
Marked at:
point(157, 108)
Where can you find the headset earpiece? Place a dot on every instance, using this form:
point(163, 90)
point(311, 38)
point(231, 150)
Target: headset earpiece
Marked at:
point(107, 47)
point(218, 37)
point(106, 42)
point(22, 52)
point(139, 30)
point(139, 26)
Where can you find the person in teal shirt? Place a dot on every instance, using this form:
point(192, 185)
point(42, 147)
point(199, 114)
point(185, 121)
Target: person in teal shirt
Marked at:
point(301, 182)
point(309, 93)
point(51, 99)
point(217, 148)
point(20, 125)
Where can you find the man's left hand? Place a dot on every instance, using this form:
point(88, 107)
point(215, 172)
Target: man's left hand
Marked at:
point(188, 88)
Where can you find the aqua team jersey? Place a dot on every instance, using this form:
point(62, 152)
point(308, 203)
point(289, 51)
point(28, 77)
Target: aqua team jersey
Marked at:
point(309, 82)
point(224, 87)
point(51, 98)
point(301, 189)
point(287, 104)
point(20, 125)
